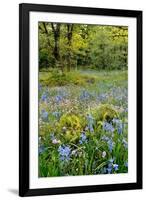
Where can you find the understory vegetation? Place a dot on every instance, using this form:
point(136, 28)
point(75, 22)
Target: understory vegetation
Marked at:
point(83, 127)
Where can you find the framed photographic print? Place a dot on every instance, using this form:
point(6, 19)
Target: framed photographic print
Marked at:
point(80, 100)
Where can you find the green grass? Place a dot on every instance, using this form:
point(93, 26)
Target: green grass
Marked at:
point(67, 100)
point(81, 78)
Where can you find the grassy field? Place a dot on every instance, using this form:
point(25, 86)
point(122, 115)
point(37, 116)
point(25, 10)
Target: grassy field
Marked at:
point(83, 123)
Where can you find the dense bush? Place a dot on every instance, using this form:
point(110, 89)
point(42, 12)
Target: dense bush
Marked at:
point(98, 47)
point(56, 77)
point(105, 112)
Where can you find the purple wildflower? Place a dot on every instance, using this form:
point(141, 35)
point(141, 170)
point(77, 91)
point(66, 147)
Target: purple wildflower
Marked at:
point(58, 98)
point(115, 166)
point(83, 138)
point(44, 115)
point(108, 127)
point(64, 152)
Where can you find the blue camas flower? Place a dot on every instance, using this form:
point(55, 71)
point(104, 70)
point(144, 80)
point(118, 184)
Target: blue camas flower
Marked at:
point(109, 168)
point(85, 95)
point(44, 97)
point(83, 138)
point(112, 166)
point(111, 160)
point(90, 121)
point(115, 166)
point(58, 98)
point(125, 143)
point(44, 115)
point(108, 127)
point(105, 138)
point(110, 145)
point(119, 125)
point(56, 114)
point(64, 152)
point(126, 110)
point(102, 97)
point(126, 164)
point(120, 128)
point(41, 149)
point(52, 136)
point(40, 87)
point(91, 128)
point(116, 121)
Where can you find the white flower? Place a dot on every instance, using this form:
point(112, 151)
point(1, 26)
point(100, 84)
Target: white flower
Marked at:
point(55, 141)
point(74, 153)
point(103, 154)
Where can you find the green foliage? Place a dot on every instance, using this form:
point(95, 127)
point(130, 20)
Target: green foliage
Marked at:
point(56, 77)
point(105, 112)
point(73, 126)
point(108, 51)
point(98, 47)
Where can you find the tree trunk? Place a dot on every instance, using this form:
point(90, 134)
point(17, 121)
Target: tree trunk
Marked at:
point(69, 37)
point(56, 51)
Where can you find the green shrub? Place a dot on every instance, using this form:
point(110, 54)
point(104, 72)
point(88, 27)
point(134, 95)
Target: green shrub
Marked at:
point(105, 112)
point(71, 126)
point(56, 77)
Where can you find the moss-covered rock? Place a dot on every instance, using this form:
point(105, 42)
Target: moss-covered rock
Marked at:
point(105, 112)
point(71, 126)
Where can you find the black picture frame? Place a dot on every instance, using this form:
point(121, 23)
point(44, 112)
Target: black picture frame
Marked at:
point(24, 105)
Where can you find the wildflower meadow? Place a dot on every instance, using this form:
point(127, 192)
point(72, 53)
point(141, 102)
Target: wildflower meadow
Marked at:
point(83, 100)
